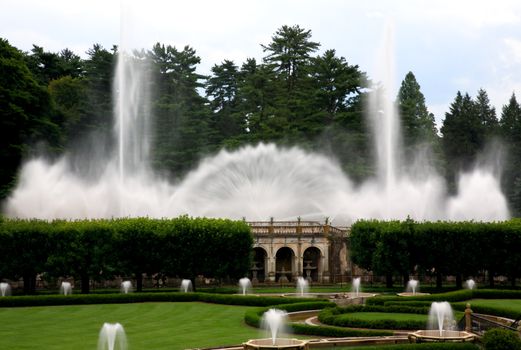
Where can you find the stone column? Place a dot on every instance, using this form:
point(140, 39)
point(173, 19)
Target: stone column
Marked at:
point(325, 265)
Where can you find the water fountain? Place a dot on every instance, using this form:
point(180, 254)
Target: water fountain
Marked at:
point(302, 287)
point(5, 289)
point(356, 286)
point(112, 337)
point(126, 286)
point(441, 326)
point(470, 284)
point(186, 286)
point(274, 321)
point(412, 289)
point(256, 182)
point(244, 286)
point(66, 288)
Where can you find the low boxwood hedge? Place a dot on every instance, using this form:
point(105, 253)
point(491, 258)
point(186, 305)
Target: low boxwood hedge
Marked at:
point(85, 299)
point(336, 316)
point(253, 318)
point(459, 295)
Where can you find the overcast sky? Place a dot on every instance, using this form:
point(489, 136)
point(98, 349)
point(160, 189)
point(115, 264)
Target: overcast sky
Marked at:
point(449, 45)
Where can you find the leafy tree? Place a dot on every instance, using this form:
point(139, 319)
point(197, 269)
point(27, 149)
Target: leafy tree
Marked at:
point(26, 114)
point(69, 94)
point(24, 249)
point(83, 250)
point(137, 248)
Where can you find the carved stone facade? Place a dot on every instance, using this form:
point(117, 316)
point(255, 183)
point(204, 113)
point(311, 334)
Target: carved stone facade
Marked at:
point(285, 250)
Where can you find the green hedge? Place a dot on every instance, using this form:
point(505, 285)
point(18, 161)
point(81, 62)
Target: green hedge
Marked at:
point(85, 299)
point(337, 316)
point(101, 249)
point(400, 248)
point(501, 339)
point(459, 295)
point(253, 318)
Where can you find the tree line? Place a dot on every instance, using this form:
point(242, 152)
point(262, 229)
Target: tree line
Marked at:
point(298, 94)
point(94, 250)
point(397, 249)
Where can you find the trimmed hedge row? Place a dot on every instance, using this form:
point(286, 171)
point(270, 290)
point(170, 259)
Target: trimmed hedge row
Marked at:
point(338, 316)
point(87, 299)
point(399, 248)
point(459, 295)
point(253, 318)
point(101, 249)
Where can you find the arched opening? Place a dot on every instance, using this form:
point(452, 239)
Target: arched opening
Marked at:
point(284, 264)
point(311, 263)
point(259, 265)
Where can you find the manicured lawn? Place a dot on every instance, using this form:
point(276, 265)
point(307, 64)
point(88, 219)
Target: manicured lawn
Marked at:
point(507, 304)
point(371, 316)
point(147, 325)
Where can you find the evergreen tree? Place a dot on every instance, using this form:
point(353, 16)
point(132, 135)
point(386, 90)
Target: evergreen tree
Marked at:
point(289, 56)
point(418, 124)
point(221, 89)
point(181, 130)
point(487, 115)
point(462, 135)
point(510, 128)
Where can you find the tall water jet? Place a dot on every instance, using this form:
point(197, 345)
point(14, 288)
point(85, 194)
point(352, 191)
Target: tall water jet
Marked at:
point(112, 337)
point(126, 286)
point(470, 284)
point(356, 286)
point(66, 288)
point(244, 285)
point(5, 289)
point(385, 122)
point(441, 317)
point(186, 286)
point(302, 286)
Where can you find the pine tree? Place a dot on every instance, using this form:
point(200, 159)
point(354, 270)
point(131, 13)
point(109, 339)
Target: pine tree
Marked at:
point(487, 115)
point(221, 89)
point(510, 128)
point(417, 122)
point(462, 135)
point(181, 129)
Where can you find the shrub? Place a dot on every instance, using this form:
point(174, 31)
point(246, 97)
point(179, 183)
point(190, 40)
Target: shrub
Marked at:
point(253, 318)
point(501, 339)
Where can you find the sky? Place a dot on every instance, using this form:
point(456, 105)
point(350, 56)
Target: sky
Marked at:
point(449, 45)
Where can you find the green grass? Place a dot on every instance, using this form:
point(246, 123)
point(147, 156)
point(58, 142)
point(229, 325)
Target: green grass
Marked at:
point(371, 316)
point(147, 325)
point(507, 304)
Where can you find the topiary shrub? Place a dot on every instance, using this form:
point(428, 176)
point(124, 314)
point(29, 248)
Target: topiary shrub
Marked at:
point(501, 339)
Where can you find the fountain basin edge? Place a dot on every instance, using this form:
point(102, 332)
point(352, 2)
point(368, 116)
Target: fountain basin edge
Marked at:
point(432, 336)
point(281, 343)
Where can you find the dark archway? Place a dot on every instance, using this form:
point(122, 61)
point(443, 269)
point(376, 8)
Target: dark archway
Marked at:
point(311, 263)
point(284, 264)
point(259, 266)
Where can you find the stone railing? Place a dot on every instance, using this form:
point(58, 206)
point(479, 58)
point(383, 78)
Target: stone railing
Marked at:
point(293, 228)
